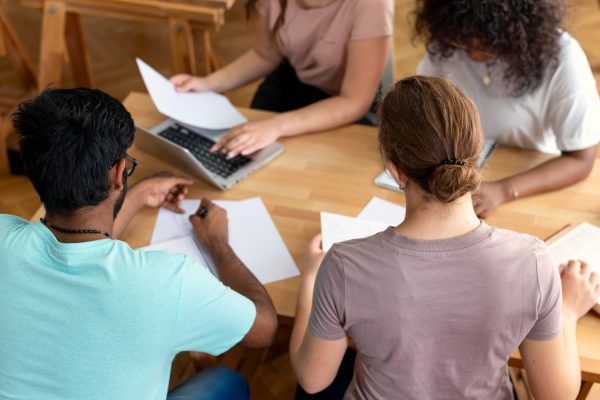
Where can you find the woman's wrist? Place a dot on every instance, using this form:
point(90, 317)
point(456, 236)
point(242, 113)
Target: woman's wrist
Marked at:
point(509, 190)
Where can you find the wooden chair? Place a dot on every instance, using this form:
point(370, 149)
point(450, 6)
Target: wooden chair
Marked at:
point(12, 49)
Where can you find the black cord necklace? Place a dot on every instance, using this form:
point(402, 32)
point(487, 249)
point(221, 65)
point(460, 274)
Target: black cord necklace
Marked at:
point(73, 231)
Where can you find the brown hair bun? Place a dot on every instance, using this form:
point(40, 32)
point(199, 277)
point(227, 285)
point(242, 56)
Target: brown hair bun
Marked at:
point(430, 131)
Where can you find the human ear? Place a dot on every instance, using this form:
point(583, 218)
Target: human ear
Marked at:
point(399, 176)
point(116, 174)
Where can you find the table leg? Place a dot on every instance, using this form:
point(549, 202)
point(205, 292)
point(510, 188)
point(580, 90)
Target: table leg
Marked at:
point(78, 54)
point(182, 46)
point(585, 390)
point(52, 43)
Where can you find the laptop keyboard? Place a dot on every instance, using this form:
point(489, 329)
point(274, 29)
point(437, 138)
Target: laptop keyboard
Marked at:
point(199, 146)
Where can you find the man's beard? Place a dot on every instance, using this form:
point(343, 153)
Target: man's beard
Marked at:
point(121, 198)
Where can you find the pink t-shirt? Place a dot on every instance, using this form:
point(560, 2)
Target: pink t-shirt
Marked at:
point(314, 40)
point(436, 319)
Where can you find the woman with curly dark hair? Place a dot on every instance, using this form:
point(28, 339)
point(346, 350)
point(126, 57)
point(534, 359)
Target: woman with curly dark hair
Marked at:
point(322, 61)
point(529, 78)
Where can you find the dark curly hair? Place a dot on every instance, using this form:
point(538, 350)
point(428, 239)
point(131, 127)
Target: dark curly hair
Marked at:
point(523, 34)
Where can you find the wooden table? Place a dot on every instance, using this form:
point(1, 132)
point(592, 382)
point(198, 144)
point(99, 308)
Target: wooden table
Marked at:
point(189, 23)
point(334, 171)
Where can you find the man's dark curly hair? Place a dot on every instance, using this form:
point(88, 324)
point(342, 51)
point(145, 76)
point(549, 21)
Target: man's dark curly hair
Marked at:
point(523, 34)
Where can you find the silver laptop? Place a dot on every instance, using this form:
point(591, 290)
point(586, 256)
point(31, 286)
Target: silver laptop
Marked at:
point(187, 148)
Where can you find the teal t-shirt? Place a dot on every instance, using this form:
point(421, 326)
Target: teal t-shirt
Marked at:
point(99, 320)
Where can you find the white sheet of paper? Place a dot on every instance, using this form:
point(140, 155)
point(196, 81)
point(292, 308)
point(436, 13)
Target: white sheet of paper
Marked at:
point(338, 228)
point(205, 110)
point(252, 235)
point(385, 180)
point(170, 225)
point(580, 243)
point(187, 245)
point(383, 211)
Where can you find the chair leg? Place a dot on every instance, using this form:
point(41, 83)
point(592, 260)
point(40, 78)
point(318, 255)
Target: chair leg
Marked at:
point(585, 390)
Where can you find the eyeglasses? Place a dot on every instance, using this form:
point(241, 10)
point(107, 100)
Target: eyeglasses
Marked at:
point(130, 164)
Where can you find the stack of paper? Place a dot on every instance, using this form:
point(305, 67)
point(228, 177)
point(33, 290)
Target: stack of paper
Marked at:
point(252, 235)
point(377, 215)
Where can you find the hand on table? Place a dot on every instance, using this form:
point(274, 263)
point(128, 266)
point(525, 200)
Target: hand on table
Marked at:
point(210, 225)
point(249, 137)
point(190, 83)
point(489, 196)
point(164, 191)
point(313, 256)
point(580, 288)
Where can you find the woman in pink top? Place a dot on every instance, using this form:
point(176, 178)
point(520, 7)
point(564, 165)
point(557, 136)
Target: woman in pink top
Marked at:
point(323, 61)
point(436, 305)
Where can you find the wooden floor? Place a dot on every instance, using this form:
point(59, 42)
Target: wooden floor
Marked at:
point(114, 45)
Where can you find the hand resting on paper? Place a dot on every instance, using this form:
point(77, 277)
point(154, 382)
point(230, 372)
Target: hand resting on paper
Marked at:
point(580, 288)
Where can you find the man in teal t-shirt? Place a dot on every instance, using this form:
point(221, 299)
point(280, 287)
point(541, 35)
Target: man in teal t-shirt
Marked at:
point(83, 315)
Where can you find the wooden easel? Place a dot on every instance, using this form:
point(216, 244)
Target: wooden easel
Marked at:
point(11, 47)
point(189, 22)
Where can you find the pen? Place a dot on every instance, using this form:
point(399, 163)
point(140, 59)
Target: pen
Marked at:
point(203, 212)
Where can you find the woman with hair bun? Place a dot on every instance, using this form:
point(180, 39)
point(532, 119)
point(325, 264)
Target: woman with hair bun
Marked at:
point(436, 305)
point(530, 80)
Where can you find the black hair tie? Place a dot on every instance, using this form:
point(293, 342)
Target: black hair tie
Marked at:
point(453, 162)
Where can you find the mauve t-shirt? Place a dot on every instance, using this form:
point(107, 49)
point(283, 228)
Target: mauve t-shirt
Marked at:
point(315, 40)
point(436, 319)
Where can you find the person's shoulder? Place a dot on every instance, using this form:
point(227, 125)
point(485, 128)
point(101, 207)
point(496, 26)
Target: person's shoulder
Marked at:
point(373, 3)
point(367, 9)
point(10, 222)
point(572, 62)
point(145, 262)
point(569, 46)
point(358, 248)
point(518, 242)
